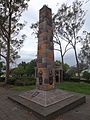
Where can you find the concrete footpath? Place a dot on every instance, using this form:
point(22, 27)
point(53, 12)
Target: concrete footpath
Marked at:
point(12, 111)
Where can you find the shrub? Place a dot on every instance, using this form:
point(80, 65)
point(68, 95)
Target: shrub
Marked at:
point(2, 79)
point(12, 80)
point(25, 81)
point(75, 79)
point(86, 75)
point(67, 77)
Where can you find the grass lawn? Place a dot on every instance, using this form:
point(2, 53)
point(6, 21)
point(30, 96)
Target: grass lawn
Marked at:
point(75, 87)
point(69, 86)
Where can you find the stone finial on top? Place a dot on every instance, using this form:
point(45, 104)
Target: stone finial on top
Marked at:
point(45, 7)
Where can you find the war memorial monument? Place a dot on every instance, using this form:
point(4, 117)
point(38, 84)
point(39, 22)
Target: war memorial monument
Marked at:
point(46, 101)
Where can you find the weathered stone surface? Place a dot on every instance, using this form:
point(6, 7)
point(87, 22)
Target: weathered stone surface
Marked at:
point(46, 98)
point(49, 104)
point(45, 56)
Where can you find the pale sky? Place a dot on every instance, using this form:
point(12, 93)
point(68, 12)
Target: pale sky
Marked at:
point(29, 49)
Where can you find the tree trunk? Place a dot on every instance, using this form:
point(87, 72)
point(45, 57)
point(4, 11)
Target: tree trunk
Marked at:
point(62, 62)
point(7, 69)
point(62, 65)
point(0, 58)
point(8, 46)
point(77, 62)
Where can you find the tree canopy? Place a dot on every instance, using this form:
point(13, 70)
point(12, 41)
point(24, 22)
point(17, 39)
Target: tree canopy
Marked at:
point(84, 55)
point(68, 22)
point(25, 69)
point(10, 26)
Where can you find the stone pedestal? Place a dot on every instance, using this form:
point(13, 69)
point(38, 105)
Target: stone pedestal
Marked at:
point(48, 105)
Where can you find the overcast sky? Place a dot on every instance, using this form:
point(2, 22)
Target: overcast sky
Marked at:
point(29, 49)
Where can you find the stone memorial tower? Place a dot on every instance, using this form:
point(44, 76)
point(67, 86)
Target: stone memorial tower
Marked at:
point(45, 55)
point(45, 102)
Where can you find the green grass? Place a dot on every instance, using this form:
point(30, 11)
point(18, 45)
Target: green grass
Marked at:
point(69, 86)
point(75, 87)
point(23, 87)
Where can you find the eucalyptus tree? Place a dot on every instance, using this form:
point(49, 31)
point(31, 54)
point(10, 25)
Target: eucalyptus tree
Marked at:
point(68, 22)
point(10, 26)
point(84, 55)
point(61, 46)
point(35, 28)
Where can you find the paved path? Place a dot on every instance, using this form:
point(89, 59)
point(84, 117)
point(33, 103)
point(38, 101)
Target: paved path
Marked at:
point(12, 111)
point(82, 112)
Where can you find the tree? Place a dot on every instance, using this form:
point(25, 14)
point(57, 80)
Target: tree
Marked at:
point(59, 41)
point(0, 61)
point(82, 66)
point(19, 71)
point(72, 71)
point(86, 75)
point(30, 68)
point(69, 20)
point(1, 66)
point(35, 28)
point(66, 66)
point(10, 13)
point(25, 69)
point(84, 55)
